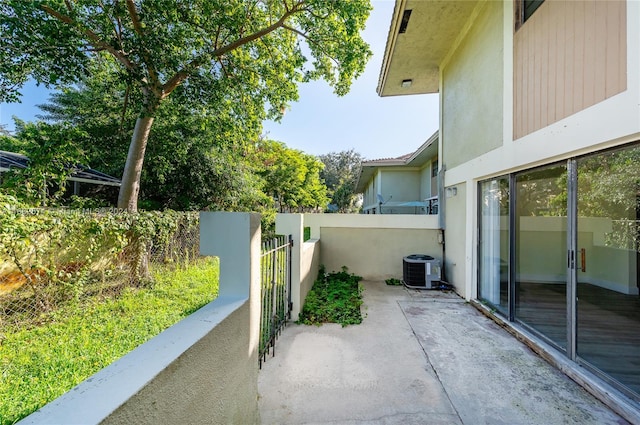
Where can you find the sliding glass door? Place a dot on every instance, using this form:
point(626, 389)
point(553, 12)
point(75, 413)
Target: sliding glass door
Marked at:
point(494, 243)
point(540, 251)
point(608, 306)
point(559, 252)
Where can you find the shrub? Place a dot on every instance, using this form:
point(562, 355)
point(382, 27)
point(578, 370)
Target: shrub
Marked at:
point(334, 298)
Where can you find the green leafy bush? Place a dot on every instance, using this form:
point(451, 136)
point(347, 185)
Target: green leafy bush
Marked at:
point(40, 363)
point(51, 257)
point(334, 298)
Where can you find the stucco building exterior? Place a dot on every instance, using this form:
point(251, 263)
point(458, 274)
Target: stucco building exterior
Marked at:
point(404, 185)
point(539, 156)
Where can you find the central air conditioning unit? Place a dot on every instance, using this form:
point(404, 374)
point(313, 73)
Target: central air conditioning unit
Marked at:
point(421, 271)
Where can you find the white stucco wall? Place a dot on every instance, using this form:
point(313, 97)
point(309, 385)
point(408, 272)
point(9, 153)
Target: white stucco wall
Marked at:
point(425, 182)
point(456, 240)
point(305, 259)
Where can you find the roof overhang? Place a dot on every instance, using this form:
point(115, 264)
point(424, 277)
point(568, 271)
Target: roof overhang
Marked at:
point(417, 159)
point(80, 173)
point(415, 55)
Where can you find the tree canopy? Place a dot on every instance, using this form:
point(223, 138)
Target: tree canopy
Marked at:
point(248, 55)
point(340, 174)
point(291, 177)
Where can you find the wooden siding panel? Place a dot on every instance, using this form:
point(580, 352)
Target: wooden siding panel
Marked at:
point(578, 58)
point(560, 55)
point(537, 75)
point(589, 53)
point(544, 71)
point(568, 56)
point(622, 55)
point(599, 64)
point(612, 48)
point(569, 45)
point(551, 54)
point(517, 88)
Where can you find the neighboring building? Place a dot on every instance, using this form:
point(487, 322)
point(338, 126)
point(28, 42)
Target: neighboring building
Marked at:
point(540, 156)
point(404, 185)
point(81, 174)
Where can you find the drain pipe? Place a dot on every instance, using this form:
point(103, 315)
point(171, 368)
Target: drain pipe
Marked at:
point(441, 241)
point(441, 222)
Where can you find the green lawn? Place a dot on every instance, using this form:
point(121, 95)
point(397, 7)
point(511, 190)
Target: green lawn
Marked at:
point(41, 363)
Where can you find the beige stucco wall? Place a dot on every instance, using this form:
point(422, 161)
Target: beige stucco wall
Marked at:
point(207, 384)
point(472, 90)
point(305, 258)
point(401, 184)
point(372, 246)
point(309, 266)
point(425, 182)
point(374, 253)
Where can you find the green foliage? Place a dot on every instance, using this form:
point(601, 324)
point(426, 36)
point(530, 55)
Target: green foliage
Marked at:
point(393, 282)
point(64, 255)
point(307, 234)
point(244, 55)
point(340, 174)
point(334, 298)
point(290, 176)
point(53, 152)
point(41, 363)
point(195, 158)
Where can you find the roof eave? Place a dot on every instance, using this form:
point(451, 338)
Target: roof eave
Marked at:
point(415, 56)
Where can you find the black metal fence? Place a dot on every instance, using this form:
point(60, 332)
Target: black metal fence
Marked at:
point(275, 293)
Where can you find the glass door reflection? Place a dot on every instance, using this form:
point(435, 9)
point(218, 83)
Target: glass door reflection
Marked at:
point(541, 247)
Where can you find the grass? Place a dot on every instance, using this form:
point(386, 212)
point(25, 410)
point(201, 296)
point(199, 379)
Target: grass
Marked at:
point(334, 298)
point(39, 364)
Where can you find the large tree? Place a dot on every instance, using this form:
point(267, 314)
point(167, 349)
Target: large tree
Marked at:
point(246, 52)
point(291, 177)
point(195, 159)
point(340, 174)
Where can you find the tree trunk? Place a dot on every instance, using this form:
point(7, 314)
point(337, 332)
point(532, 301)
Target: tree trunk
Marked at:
point(130, 187)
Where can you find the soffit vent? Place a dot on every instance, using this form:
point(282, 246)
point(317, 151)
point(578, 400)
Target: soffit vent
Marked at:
point(405, 21)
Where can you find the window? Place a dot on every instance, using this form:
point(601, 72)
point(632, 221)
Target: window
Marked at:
point(525, 9)
point(530, 6)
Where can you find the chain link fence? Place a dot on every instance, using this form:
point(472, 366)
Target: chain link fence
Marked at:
point(49, 258)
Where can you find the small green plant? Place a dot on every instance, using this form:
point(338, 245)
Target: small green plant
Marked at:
point(335, 298)
point(393, 281)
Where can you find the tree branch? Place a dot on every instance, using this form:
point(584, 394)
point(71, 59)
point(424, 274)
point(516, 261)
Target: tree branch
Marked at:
point(96, 41)
point(311, 41)
point(135, 20)
point(184, 73)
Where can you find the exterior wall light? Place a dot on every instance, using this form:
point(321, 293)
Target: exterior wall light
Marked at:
point(406, 83)
point(451, 191)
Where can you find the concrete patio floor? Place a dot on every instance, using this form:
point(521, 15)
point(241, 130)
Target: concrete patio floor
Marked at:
point(419, 357)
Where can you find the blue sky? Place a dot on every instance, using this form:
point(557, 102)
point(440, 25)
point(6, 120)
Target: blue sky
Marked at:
point(320, 122)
